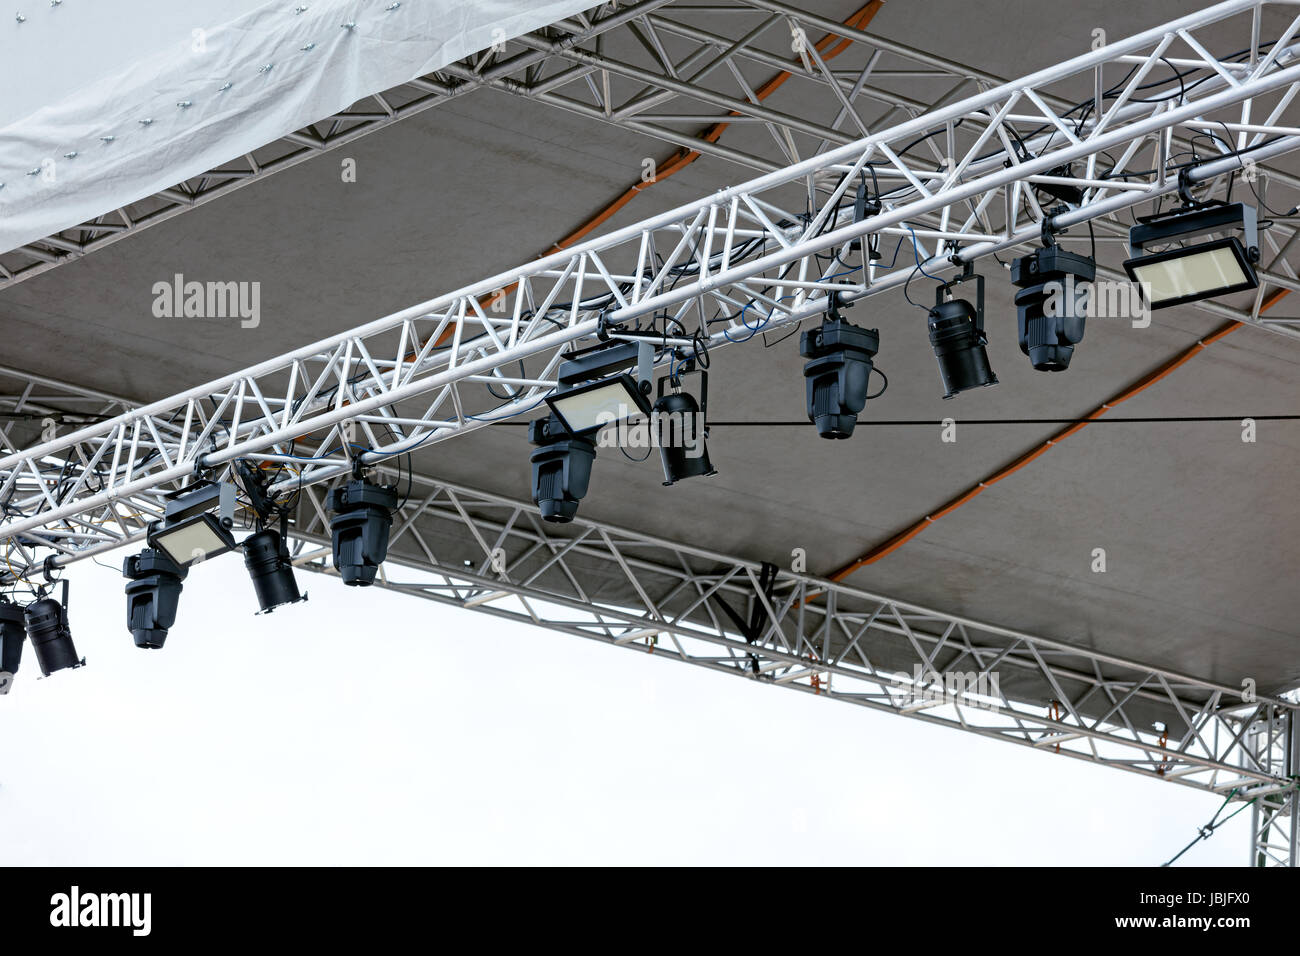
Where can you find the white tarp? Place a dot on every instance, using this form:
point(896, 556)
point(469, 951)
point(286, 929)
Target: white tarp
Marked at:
point(91, 92)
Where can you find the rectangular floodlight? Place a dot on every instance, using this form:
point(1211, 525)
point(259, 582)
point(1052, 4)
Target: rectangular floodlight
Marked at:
point(584, 409)
point(1190, 273)
point(194, 539)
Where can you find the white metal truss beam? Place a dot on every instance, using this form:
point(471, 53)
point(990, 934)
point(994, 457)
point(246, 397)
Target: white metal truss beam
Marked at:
point(1275, 817)
point(752, 257)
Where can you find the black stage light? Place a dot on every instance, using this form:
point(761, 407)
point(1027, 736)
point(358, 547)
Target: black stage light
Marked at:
point(1202, 270)
point(594, 389)
point(12, 635)
point(152, 595)
point(840, 356)
point(266, 556)
point(1052, 304)
point(189, 532)
point(957, 336)
point(363, 515)
point(561, 468)
point(46, 621)
point(682, 428)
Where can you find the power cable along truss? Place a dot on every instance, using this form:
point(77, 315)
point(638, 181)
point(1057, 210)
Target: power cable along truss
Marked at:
point(752, 257)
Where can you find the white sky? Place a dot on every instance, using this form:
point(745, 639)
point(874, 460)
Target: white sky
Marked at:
point(365, 727)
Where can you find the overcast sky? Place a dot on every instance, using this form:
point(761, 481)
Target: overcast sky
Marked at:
point(369, 727)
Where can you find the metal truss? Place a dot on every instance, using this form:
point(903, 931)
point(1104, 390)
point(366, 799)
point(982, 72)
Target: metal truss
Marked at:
point(490, 554)
point(752, 257)
point(1275, 817)
point(681, 74)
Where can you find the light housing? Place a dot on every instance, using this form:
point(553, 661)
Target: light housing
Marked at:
point(359, 528)
point(189, 532)
point(561, 468)
point(957, 336)
point(266, 556)
point(46, 621)
point(153, 594)
point(1052, 304)
point(12, 635)
point(671, 414)
point(1202, 270)
point(837, 373)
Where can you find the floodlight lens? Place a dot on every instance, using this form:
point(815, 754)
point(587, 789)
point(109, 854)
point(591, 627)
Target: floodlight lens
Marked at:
point(587, 408)
point(195, 539)
point(1192, 273)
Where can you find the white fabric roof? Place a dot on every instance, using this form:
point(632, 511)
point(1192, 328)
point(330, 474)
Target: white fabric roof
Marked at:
point(106, 127)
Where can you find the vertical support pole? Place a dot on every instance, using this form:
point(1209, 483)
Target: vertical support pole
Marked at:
point(1275, 818)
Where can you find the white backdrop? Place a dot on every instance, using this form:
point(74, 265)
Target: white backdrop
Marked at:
point(251, 71)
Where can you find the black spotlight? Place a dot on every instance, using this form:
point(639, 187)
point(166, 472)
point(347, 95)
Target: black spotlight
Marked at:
point(1191, 271)
point(12, 635)
point(681, 428)
point(837, 374)
point(957, 335)
point(152, 595)
point(47, 628)
point(362, 519)
point(266, 555)
point(561, 468)
point(1052, 304)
